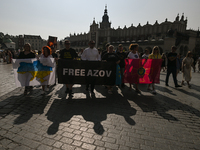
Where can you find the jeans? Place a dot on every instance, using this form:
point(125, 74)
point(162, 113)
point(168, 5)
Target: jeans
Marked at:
point(173, 71)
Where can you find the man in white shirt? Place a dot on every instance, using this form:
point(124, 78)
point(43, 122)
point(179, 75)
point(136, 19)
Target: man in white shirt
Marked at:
point(91, 54)
point(146, 54)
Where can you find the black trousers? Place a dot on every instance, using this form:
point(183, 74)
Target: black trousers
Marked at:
point(173, 71)
point(91, 87)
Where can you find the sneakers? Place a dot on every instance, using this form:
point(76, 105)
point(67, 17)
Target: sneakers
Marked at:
point(153, 92)
point(166, 84)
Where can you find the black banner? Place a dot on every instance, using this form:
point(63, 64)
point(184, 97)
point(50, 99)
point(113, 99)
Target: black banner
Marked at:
point(86, 72)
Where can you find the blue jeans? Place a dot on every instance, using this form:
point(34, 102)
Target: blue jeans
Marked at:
point(173, 71)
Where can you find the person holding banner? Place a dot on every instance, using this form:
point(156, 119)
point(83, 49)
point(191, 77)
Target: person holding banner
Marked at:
point(134, 55)
point(91, 54)
point(111, 57)
point(122, 56)
point(154, 55)
point(68, 54)
point(26, 54)
point(46, 53)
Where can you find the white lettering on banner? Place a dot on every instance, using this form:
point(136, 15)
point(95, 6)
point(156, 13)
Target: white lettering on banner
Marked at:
point(89, 73)
point(95, 73)
point(108, 74)
point(65, 70)
point(101, 73)
point(77, 72)
point(71, 72)
point(81, 72)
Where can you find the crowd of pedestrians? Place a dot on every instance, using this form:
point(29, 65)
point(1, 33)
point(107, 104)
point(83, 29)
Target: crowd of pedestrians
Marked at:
point(172, 62)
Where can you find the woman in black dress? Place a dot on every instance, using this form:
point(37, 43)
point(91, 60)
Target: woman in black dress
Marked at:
point(26, 54)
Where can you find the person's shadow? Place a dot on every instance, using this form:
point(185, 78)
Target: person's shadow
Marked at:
point(93, 110)
point(162, 105)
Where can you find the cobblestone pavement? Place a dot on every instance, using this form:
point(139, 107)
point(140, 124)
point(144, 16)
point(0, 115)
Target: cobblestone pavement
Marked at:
point(6, 78)
point(125, 120)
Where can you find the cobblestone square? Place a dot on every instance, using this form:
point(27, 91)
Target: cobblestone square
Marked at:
point(124, 120)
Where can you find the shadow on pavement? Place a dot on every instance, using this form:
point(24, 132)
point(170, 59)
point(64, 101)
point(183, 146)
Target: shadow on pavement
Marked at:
point(161, 104)
point(24, 106)
point(93, 110)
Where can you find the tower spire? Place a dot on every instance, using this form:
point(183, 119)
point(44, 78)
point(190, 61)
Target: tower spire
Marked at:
point(105, 12)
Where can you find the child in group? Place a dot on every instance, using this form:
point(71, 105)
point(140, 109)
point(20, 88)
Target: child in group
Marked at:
point(154, 55)
point(134, 55)
point(46, 53)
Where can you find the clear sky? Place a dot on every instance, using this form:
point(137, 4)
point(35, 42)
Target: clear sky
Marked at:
point(62, 17)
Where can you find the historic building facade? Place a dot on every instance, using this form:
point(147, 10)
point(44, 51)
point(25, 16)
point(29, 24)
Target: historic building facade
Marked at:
point(163, 34)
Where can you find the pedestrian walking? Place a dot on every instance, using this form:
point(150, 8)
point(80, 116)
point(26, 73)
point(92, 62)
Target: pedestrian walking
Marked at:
point(171, 66)
point(27, 54)
point(122, 57)
point(133, 54)
point(68, 53)
point(154, 55)
point(111, 57)
point(91, 54)
point(186, 68)
point(46, 53)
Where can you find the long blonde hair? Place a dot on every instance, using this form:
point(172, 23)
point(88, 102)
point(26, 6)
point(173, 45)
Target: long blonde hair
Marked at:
point(155, 48)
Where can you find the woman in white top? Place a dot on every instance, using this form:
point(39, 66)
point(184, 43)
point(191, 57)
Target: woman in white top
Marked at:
point(134, 55)
point(187, 63)
point(46, 53)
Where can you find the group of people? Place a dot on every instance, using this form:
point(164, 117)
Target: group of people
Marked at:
point(109, 55)
point(7, 56)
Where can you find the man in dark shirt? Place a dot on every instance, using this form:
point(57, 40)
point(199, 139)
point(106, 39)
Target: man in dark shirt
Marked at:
point(105, 51)
point(111, 57)
point(122, 57)
point(171, 66)
point(68, 54)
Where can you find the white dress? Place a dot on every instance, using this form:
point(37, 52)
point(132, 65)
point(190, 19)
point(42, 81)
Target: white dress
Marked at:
point(187, 63)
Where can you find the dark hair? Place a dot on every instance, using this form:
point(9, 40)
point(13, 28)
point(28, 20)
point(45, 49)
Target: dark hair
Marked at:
point(108, 44)
point(174, 47)
point(39, 52)
point(67, 41)
point(92, 41)
point(133, 46)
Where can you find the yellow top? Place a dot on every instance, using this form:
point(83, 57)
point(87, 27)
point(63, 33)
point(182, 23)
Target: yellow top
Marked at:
point(152, 56)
